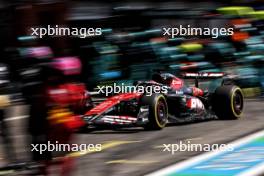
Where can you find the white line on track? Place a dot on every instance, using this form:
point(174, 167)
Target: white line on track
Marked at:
point(182, 165)
point(257, 170)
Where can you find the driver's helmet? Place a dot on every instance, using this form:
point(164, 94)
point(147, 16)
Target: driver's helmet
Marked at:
point(172, 81)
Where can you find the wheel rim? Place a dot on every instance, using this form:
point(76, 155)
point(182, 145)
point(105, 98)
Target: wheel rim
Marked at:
point(161, 112)
point(238, 102)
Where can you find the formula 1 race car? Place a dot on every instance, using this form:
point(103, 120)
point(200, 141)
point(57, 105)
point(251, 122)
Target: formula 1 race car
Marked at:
point(178, 103)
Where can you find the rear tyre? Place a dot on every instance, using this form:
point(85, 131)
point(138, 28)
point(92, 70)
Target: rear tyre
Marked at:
point(228, 102)
point(158, 111)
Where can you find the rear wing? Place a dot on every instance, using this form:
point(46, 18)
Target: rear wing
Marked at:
point(203, 75)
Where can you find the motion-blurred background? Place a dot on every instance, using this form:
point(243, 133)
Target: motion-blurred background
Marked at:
point(132, 44)
point(130, 48)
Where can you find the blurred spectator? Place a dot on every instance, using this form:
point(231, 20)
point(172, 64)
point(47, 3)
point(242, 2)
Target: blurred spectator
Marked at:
point(63, 93)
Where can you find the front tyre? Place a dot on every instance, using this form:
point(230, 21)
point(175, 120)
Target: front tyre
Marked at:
point(158, 111)
point(228, 102)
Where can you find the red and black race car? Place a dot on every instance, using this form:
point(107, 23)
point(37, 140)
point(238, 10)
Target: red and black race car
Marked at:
point(179, 103)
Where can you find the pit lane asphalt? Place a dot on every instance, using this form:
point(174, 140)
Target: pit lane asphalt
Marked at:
point(135, 152)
